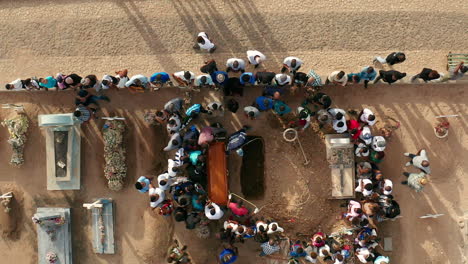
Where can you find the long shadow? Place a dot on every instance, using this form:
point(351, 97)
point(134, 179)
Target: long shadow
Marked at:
point(148, 34)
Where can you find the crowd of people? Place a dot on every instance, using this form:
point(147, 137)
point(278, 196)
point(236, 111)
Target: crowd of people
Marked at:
point(180, 190)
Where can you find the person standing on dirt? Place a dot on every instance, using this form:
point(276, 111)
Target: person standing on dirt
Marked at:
point(83, 114)
point(213, 211)
point(184, 78)
point(158, 79)
point(428, 75)
point(264, 77)
point(263, 103)
point(389, 76)
point(392, 59)
point(255, 57)
point(228, 255)
point(174, 105)
point(419, 160)
point(138, 83)
point(247, 78)
point(143, 184)
point(291, 64)
point(204, 80)
point(367, 117)
point(174, 142)
point(269, 248)
point(337, 78)
point(416, 181)
point(204, 43)
point(85, 98)
point(235, 65)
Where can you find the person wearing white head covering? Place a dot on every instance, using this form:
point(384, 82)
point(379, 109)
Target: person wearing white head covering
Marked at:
point(164, 181)
point(365, 187)
point(255, 57)
point(367, 116)
point(378, 143)
point(386, 187)
point(366, 135)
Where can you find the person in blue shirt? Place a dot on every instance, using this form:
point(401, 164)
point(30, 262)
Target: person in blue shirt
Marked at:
point(367, 74)
point(228, 255)
point(219, 78)
point(143, 184)
point(297, 251)
point(281, 108)
point(247, 78)
point(48, 82)
point(263, 103)
point(354, 78)
point(158, 79)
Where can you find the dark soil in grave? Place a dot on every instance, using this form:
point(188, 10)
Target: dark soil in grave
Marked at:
point(252, 169)
point(61, 148)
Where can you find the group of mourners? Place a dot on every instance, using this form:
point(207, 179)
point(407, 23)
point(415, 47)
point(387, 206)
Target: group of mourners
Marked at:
point(179, 190)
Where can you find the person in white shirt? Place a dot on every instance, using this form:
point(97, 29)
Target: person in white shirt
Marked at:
point(173, 124)
point(184, 78)
point(292, 64)
point(204, 43)
point(366, 135)
point(337, 78)
point(363, 254)
point(367, 117)
point(282, 79)
point(235, 65)
point(365, 187)
point(164, 181)
point(172, 168)
point(156, 197)
point(324, 251)
point(339, 120)
point(215, 108)
point(378, 143)
point(338, 258)
point(229, 224)
point(108, 82)
point(261, 226)
point(251, 112)
point(174, 142)
point(138, 80)
point(386, 187)
point(419, 160)
point(204, 80)
point(122, 78)
point(362, 150)
point(255, 57)
point(213, 211)
point(16, 85)
point(273, 227)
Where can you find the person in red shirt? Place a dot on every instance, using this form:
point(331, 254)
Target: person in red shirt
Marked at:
point(237, 208)
point(354, 129)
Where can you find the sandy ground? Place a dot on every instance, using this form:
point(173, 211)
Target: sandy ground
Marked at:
point(42, 37)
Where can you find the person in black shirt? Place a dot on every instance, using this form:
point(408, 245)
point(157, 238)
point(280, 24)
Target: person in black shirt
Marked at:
point(427, 75)
point(389, 76)
point(392, 58)
point(264, 77)
point(72, 81)
point(209, 67)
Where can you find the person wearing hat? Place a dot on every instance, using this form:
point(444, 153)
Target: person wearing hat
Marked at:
point(255, 57)
point(366, 135)
point(235, 65)
point(428, 75)
point(282, 79)
point(378, 143)
point(247, 78)
point(158, 79)
point(419, 160)
point(367, 117)
point(219, 78)
point(108, 82)
point(184, 78)
point(264, 77)
point(416, 181)
point(292, 64)
point(204, 43)
point(337, 78)
point(204, 80)
point(458, 72)
point(389, 76)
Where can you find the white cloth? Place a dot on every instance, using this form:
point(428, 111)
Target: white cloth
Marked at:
point(180, 74)
point(158, 191)
point(251, 54)
point(208, 44)
point(164, 176)
point(326, 247)
point(338, 129)
point(17, 85)
point(140, 77)
point(265, 226)
point(362, 190)
point(176, 128)
point(278, 228)
point(365, 117)
point(358, 150)
point(210, 106)
point(366, 135)
point(278, 79)
point(122, 81)
point(352, 206)
point(381, 60)
point(387, 183)
point(287, 61)
point(334, 111)
point(178, 157)
point(230, 64)
point(363, 254)
point(228, 224)
point(102, 86)
point(170, 146)
point(218, 212)
point(333, 77)
point(253, 109)
point(170, 165)
point(417, 161)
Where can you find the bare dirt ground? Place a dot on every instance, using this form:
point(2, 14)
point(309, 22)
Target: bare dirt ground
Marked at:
point(44, 37)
